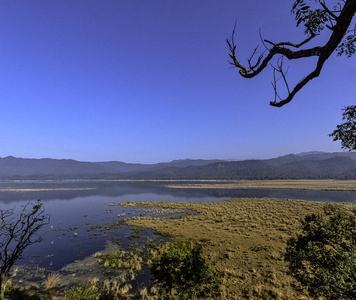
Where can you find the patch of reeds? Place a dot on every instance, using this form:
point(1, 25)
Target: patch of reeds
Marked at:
point(130, 261)
point(52, 281)
point(135, 232)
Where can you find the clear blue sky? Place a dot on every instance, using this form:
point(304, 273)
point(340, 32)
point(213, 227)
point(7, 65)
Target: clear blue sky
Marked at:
point(148, 81)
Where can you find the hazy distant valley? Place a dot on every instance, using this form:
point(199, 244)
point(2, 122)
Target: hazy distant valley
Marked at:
point(309, 165)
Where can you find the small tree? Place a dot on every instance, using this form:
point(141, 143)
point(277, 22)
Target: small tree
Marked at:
point(17, 232)
point(181, 272)
point(323, 257)
point(346, 132)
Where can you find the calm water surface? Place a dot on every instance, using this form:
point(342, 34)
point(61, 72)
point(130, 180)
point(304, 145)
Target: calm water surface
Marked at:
point(75, 206)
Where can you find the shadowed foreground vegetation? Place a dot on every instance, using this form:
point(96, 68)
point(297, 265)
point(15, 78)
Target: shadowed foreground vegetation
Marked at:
point(245, 238)
point(179, 271)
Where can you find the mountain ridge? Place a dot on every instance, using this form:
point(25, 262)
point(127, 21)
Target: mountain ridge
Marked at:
point(306, 165)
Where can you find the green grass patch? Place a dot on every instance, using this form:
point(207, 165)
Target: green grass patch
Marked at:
point(163, 233)
point(93, 227)
point(135, 232)
point(130, 260)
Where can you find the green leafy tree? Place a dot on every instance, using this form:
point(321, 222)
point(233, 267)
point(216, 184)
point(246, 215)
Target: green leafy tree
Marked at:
point(323, 257)
point(181, 272)
point(346, 132)
point(332, 18)
point(17, 232)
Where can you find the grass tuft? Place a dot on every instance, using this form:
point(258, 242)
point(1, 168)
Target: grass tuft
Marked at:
point(52, 281)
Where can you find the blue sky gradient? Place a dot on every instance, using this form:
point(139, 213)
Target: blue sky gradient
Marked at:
point(148, 81)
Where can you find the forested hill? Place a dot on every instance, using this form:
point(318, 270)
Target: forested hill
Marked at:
point(309, 165)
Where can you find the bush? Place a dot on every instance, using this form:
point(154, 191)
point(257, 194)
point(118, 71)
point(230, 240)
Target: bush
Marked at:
point(181, 272)
point(85, 291)
point(323, 257)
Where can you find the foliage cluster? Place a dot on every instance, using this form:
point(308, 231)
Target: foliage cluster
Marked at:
point(323, 257)
point(181, 271)
point(346, 132)
point(313, 20)
point(316, 20)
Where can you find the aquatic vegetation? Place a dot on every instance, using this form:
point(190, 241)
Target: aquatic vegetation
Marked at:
point(113, 226)
point(235, 251)
point(135, 232)
point(93, 227)
point(130, 261)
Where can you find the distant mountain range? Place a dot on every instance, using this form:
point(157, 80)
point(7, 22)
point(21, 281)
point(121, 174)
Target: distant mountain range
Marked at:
point(307, 165)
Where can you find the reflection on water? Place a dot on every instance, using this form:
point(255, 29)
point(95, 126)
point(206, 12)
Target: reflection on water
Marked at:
point(81, 211)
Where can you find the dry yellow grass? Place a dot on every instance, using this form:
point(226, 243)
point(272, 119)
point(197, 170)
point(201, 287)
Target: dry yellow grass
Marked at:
point(303, 184)
point(44, 190)
point(246, 238)
point(52, 281)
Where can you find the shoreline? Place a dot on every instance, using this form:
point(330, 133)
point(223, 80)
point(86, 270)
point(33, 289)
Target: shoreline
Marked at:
point(288, 184)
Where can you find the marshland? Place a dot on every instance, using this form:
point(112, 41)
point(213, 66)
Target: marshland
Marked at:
point(104, 237)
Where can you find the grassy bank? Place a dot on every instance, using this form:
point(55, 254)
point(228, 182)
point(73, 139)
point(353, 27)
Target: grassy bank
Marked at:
point(245, 238)
point(303, 184)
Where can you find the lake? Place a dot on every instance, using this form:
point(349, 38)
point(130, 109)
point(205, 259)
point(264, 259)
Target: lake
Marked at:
point(84, 215)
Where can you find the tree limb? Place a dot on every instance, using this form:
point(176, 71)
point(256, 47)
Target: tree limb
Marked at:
point(338, 32)
point(293, 44)
point(329, 11)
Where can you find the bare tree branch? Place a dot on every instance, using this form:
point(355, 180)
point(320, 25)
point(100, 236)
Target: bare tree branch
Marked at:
point(17, 232)
point(293, 44)
point(329, 11)
point(282, 49)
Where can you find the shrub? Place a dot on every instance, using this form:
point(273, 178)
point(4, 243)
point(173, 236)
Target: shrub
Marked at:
point(85, 291)
point(95, 290)
point(181, 272)
point(323, 257)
